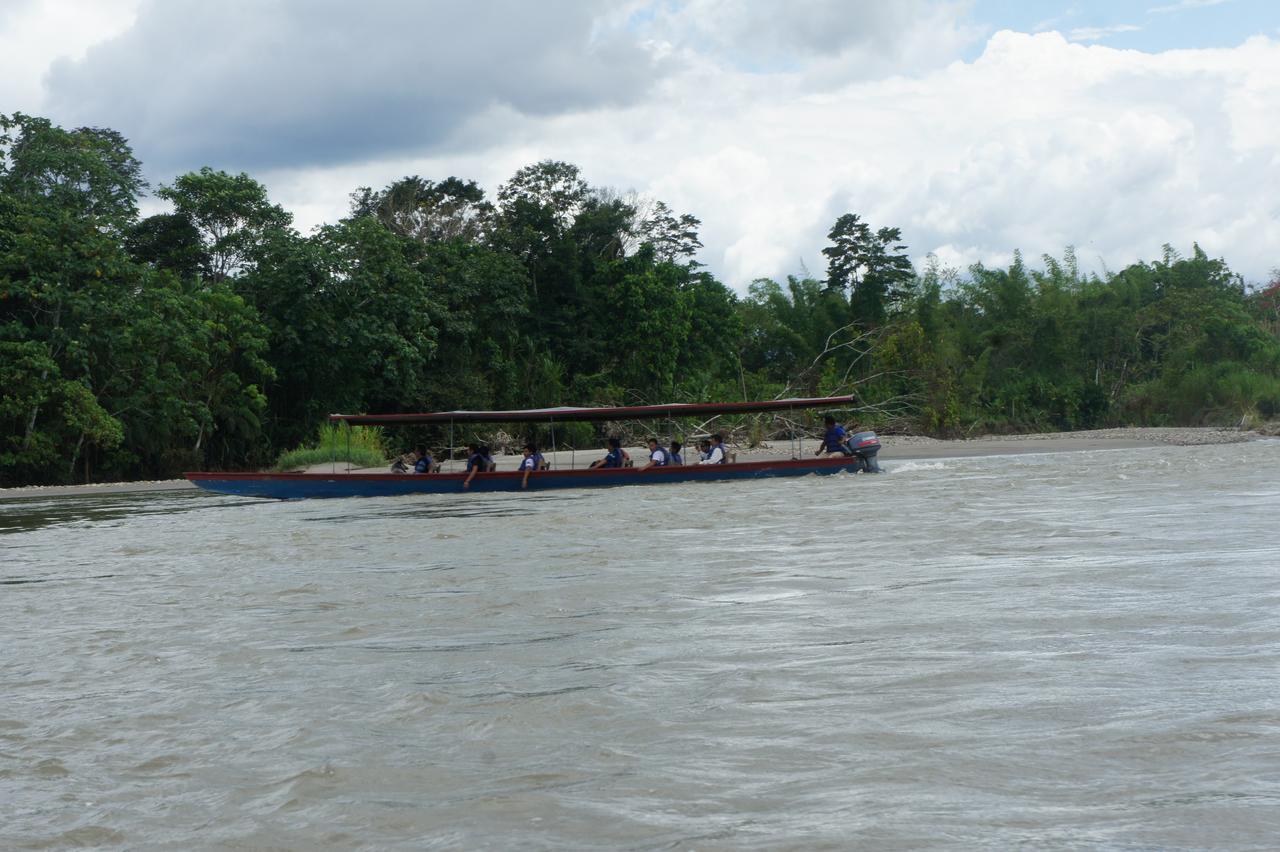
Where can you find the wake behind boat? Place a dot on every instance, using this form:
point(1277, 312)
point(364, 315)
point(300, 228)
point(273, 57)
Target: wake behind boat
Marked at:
point(857, 454)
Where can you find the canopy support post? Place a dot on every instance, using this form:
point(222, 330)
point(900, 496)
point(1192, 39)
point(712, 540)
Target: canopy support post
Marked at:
point(450, 442)
point(348, 448)
point(333, 456)
point(797, 450)
point(553, 435)
point(800, 440)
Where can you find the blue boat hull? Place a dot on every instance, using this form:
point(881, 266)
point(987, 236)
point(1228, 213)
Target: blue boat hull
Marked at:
point(296, 486)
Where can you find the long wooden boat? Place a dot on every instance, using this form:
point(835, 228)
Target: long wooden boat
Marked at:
point(292, 486)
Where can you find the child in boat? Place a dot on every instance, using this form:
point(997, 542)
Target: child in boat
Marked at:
point(532, 461)
point(704, 450)
point(676, 458)
point(836, 440)
point(716, 455)
point(615, 457)
point(658, 457)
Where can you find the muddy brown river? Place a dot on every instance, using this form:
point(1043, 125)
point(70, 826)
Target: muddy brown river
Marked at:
point(1063, 651)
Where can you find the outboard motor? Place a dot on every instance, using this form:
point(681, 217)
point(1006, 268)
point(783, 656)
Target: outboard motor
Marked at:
point(865, 445)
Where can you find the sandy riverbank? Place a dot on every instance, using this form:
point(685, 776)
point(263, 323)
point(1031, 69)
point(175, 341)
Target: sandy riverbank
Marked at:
point(896, 448)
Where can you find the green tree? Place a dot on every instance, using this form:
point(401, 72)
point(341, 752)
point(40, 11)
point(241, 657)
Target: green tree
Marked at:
point(1266, 304)
point(64, 198)
point(353, 324)
point(86, 173)
point(648, 317)
point(232, 214)
point(789, 333)
point(483, 317)
point(110, 363)
point(551, 185)
point(872, 267)
point(674, 239)
point(168, 241)
point(424, 210)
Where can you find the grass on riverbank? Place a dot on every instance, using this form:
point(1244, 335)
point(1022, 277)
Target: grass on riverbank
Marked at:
point(364, 447)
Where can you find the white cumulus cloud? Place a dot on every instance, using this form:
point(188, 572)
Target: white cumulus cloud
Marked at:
point(1184, 4)
point(766, 121)
point(1037, 144)
point(1099, 33)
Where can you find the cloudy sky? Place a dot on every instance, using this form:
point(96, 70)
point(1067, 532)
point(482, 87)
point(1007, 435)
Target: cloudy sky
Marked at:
point(976, 127)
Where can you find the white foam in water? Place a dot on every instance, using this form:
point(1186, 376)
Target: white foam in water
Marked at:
point(912, 467)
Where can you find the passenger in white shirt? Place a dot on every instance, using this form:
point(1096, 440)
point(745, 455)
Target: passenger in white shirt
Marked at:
point(717, 454)
point(658, 457)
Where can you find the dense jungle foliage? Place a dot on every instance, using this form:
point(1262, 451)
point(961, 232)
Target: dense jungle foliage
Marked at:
point(216, 335)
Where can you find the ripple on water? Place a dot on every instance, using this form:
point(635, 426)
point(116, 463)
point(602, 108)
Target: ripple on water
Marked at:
point(1063, 650)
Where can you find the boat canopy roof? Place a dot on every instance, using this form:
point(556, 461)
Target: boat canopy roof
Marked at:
point(626, 412)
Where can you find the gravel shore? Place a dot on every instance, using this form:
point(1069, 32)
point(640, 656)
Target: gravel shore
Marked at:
point(896, 447)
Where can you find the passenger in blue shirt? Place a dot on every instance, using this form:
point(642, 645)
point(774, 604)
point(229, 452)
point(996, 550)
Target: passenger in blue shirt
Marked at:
point(676, 458)
point(616, 457)
point(478, 461)
point(836, 440)
point(532, 461)
point(421, 461)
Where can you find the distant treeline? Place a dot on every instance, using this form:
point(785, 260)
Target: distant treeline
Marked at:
point(217, 336)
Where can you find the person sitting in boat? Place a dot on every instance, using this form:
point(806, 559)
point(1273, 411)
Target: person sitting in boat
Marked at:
point(420, 459)
point(658, 456)
point(532, 461)
point(676, 458)
point(478, 461)
point(717, 454)
point(615, 457)
point(836, 439)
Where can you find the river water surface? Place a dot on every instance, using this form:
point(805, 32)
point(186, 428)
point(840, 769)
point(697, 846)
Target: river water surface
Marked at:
point(1072, 650)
